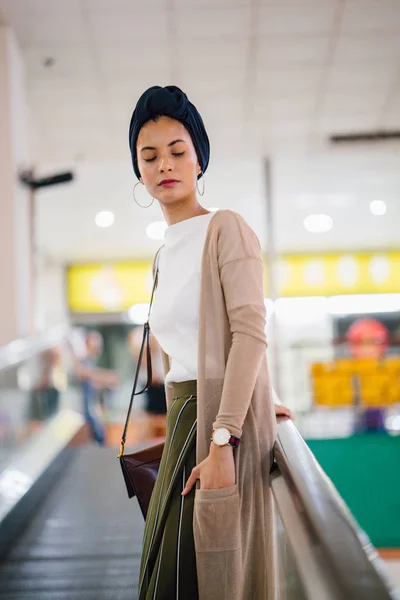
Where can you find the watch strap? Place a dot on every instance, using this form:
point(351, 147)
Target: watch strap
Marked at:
point(234, 441)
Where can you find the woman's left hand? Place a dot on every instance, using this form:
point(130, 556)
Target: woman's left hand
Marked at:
point(283, 411)
point(215, 472)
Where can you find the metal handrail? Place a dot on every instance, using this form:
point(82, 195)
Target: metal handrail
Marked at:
point(354, 563)
point(20, 350)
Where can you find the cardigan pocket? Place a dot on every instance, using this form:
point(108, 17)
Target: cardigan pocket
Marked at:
point(216, 519)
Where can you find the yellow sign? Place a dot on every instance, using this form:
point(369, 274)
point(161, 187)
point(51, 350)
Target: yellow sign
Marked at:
point(336, 274)
point(108, 287)
point(117, 286)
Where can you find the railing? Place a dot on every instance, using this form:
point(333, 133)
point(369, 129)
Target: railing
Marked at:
point(332, 556)
point(21, 350)
point(29, 396)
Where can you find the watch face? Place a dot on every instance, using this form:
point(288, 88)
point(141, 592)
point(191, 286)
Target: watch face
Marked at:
point(221, 436)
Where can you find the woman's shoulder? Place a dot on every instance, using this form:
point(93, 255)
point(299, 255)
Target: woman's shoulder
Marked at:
point(233, 229)
point(229, 218)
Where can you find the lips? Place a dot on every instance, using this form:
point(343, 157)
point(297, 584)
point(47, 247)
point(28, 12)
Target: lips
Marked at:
point(168, 182)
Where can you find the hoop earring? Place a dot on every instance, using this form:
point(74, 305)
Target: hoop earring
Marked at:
point(134, 197)
point(201, 193)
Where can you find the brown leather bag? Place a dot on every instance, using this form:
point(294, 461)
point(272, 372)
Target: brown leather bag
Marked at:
point(140, 468)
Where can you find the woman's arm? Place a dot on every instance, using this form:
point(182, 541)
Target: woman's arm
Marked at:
point(241, 271)
point(242, 278)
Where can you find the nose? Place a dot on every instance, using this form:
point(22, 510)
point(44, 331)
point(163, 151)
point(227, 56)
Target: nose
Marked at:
point(165, 164)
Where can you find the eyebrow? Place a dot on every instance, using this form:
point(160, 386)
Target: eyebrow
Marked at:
point(169, 145)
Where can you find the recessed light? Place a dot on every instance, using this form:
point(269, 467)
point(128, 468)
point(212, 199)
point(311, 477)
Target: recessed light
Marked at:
point(105, 218)
point(378, 208)
point(318, 223)
point(156, 230)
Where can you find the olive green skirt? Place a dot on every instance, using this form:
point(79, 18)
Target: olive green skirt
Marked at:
point(168, 567)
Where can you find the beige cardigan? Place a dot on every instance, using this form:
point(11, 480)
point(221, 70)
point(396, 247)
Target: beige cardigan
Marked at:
point(233, 527)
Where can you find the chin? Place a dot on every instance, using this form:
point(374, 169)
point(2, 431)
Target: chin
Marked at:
point(169, 196)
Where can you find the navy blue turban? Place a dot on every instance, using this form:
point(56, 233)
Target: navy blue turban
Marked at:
point(171, 102)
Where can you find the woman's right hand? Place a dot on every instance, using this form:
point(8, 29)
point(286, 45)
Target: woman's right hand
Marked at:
point(215, 472)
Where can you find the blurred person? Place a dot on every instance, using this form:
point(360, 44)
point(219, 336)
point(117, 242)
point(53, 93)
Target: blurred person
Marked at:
point(215, 541)
point(155, 405)
point(52, 381)
point(93, 379)
point(368, 338)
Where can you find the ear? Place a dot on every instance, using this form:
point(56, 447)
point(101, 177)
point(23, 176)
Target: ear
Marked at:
point(198, 170)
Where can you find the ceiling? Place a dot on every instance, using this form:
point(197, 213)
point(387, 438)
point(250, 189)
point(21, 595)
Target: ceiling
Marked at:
point(272, 78)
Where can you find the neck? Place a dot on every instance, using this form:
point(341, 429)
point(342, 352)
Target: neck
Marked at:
point(177, 213)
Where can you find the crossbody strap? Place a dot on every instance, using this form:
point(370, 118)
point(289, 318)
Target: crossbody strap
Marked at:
point(145, 343)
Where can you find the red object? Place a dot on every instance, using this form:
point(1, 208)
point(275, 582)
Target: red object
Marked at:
point(367, 338)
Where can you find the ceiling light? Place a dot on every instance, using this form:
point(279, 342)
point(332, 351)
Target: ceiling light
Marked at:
point(156, 230)
point(378, 207)
point(318, 223)
point(104, 218)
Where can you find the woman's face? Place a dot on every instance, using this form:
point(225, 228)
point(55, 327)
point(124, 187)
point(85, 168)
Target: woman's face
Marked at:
point(167, 160)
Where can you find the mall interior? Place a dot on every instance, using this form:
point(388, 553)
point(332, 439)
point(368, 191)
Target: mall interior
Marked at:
point(301, 102)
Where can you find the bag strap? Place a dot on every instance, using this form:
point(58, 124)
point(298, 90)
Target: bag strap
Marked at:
point(145, 342)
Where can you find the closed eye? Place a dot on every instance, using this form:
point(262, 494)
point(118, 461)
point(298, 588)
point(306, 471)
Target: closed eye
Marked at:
point(150, 159)
point(178, 153)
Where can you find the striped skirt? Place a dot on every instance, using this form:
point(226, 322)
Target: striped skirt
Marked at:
point(168, 567)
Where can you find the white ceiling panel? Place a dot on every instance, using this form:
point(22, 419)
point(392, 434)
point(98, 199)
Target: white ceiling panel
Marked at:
point(79, 116)
point(126, 58)
point(40, 7)
point(48, 29)
point(154, 75)
point(210, 84)
point(284, 50)
point(290, 128)
point(204, 4)
point(219, 109)
point(307, 18)
point(210, 54)
point(367, 47)
point(121, 27)
point(294, 107)
point(69, 62)
point(342, 103)
point(123, 6)
point(367, 15)
point(353, 121)
point(293, 79)
point(298, 3)
point(391, 120)
point(60, 92)
point(362, 76)
point(209, 23)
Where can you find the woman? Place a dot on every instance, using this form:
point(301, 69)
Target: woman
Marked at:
point(209, 530)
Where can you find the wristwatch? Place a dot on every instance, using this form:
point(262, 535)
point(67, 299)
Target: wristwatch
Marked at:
point(223, 437)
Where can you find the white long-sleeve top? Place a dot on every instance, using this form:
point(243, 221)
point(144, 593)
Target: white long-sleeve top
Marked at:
point(174, 318)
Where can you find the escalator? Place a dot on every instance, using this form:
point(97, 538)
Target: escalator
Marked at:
point(83, 542)
point(69, 532)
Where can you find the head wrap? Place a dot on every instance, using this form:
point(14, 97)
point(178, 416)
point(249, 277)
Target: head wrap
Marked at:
point(171, 102)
